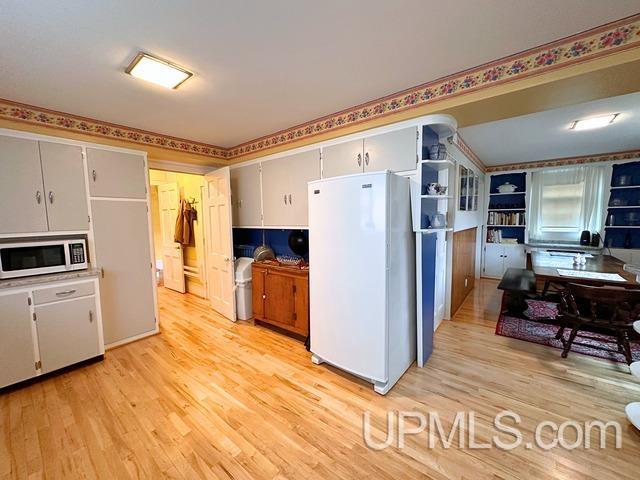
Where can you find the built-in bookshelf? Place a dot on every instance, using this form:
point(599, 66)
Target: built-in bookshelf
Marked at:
point(436, 167)
point(506, 217)
point(623, 212)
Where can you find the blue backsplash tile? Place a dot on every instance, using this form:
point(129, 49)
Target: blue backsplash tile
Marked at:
point(277, 239)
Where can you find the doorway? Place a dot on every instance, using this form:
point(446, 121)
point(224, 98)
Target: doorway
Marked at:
point(180, 264)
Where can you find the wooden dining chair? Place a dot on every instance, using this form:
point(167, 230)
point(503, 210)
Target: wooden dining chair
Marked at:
point(610, 310)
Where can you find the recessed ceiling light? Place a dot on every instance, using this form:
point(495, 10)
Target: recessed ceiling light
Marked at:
point(157, 71)
point(593, 122)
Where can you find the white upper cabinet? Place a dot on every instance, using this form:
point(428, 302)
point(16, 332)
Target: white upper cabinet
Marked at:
point(116, 174)
point(284, 188)
point(245, 196)
point(395, 151)
point(64, 187)
point(343, 159)
point(22, 198)
point(303, 168)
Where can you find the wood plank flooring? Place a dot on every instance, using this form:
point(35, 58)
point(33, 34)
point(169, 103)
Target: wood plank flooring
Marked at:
point(212, 399)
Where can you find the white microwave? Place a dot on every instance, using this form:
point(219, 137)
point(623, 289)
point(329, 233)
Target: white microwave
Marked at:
point(22, 259)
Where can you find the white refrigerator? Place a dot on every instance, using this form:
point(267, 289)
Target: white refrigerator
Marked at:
point(362, 276)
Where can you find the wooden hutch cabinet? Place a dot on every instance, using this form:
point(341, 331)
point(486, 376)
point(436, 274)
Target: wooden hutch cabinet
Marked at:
point(281, 297)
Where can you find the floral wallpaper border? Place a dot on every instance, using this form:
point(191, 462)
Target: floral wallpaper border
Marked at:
point(562, 162)
point(40, 116)
point(607, 39)
point(604, 40)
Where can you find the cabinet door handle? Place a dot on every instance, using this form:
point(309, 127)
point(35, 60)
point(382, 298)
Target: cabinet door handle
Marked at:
point(65, 292)
point(90, 316)
point(93, 175)
point(38, 197)
point(366, 158)
point(359, 159)
point(289, 199)
point(50, 196)
point(285, 198)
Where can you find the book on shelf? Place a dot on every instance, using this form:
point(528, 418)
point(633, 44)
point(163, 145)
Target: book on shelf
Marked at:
point(506, 218)
point(494, 235)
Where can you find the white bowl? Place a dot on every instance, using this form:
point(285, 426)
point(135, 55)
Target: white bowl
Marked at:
point(633, 414)
point(507, 188)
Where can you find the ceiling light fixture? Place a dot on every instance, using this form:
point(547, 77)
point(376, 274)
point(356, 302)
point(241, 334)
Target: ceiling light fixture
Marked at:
point(155, 70)
point(593, 122)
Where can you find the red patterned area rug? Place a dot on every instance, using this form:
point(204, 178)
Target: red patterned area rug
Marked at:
point(535, 332)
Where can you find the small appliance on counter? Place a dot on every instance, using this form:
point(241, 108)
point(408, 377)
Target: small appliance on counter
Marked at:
point(595, 239)
point(23, 258)
point(585, 238)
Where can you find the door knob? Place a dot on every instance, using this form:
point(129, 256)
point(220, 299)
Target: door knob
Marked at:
point(226, 259)
point(93, 174)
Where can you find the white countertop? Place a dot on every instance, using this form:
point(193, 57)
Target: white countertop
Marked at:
point(52, 277)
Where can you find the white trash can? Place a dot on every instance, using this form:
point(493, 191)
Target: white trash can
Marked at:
point(244, 307)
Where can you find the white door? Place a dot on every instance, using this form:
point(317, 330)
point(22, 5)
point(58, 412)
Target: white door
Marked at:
point(343, 159)
point(65, 191)
point(22, 208)
point(172, 259)
point(218, 242)
point(493, 260)
point(514, 257)
point(67, 333)
point(395, 151)
point(17, 360)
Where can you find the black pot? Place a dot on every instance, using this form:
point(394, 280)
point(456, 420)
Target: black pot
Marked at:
point(299, 243)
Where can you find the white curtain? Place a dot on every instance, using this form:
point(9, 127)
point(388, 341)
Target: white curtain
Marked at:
point(591, 208)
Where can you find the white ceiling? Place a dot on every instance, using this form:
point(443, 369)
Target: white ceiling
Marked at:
point(261, 66)
point(546, 135)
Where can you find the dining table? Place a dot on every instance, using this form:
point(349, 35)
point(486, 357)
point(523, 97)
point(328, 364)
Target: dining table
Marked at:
point(559, 268)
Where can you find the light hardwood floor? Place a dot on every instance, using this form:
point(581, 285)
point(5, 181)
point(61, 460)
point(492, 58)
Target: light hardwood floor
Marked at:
point(212, 399)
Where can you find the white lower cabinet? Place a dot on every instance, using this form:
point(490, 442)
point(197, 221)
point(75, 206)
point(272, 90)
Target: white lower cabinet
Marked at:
point(67, 332)
point(498, 257)
point(46, 327)
point(17, 355)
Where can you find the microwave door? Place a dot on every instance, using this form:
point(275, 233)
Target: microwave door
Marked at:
point(26, 260)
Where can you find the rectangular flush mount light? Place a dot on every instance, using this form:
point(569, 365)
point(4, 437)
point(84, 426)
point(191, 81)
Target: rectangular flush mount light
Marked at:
point(594, 122)
point(155, 70)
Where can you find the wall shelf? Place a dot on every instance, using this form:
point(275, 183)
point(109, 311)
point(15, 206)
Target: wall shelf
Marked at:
point(626, 187)
point(438, 197)
point(622, 226)
point(520, 209)
point(624, 206)
point(512, 193)
point(509, 226)
point(438, 164)
point(435, 230)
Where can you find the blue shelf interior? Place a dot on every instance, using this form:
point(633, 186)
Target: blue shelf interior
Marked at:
point(246, 240)
point(515, 201)
point(429, 138)
point(517, 179)
point(624, 175)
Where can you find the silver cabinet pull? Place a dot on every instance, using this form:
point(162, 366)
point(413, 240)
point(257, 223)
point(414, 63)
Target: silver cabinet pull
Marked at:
point(285, 198)
point(93, 174)
point(50, 196)
point(290, 199)
point(38, 197)
point(366, 158)
point(90, 316)
point(359, 159)
point(65, 292)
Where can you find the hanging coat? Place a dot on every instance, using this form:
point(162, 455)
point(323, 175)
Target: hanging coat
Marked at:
point(184, 233)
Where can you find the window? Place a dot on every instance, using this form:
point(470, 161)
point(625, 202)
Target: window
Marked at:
point(561, 207)
point(567, 200)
